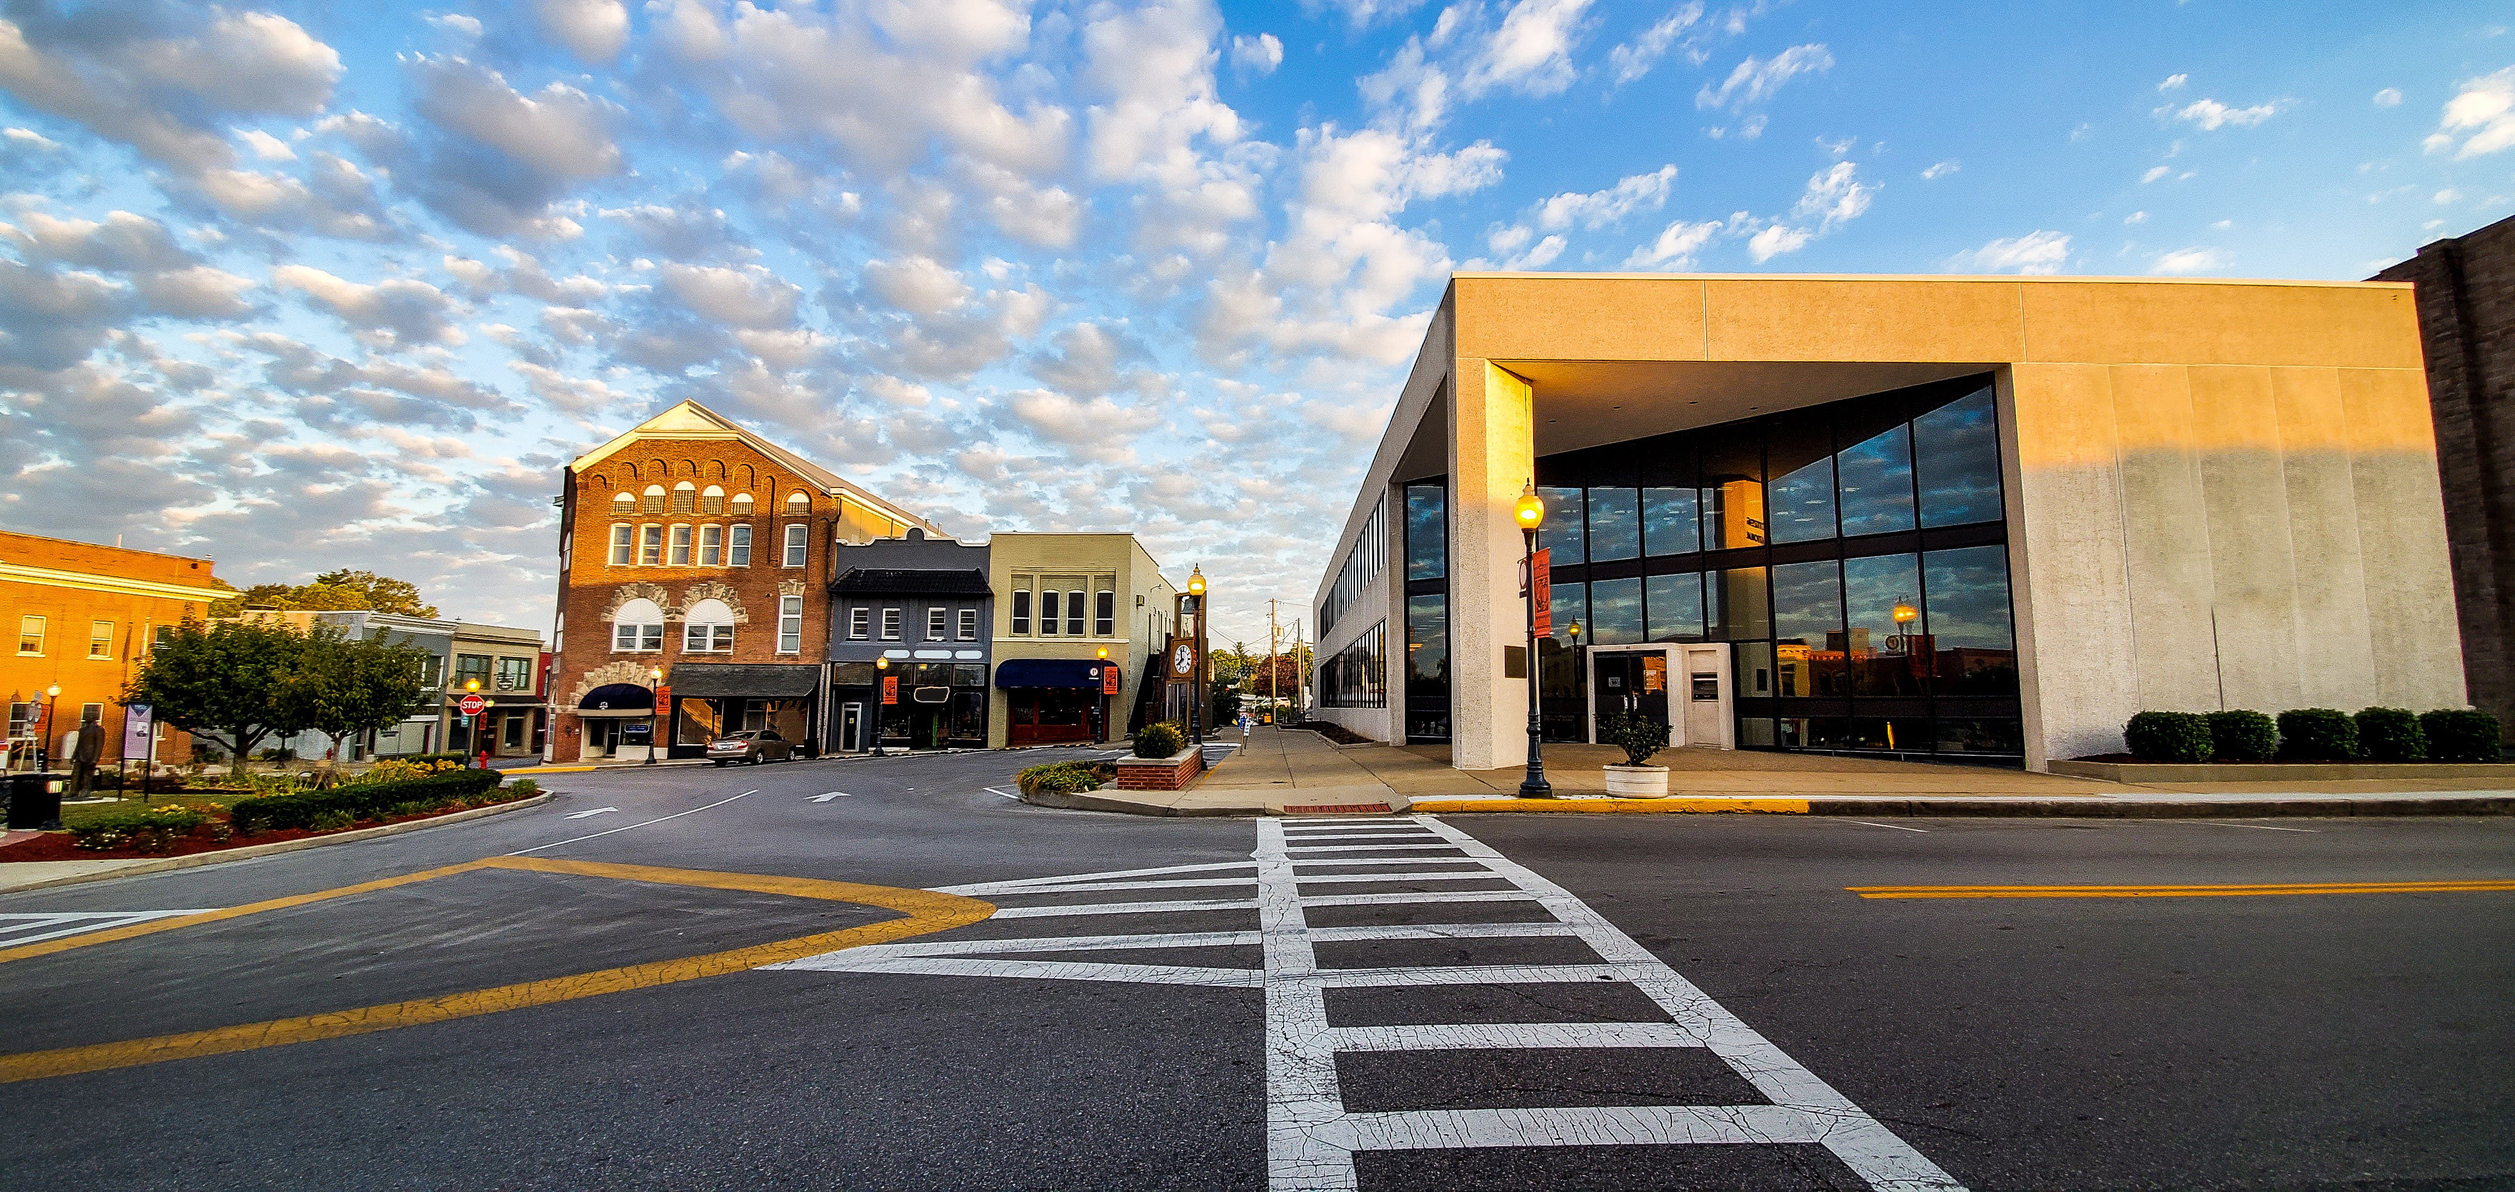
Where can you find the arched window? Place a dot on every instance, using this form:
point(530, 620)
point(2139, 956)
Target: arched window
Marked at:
point(685, 497)
point(623, 503)
point(798, 504)
point(742, 505)
point(712, 500)
point(638, 628)
point(708, 628)
point(654, 498)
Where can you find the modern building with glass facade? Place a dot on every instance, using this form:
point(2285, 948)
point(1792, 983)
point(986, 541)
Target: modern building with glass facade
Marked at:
point(1959, 518)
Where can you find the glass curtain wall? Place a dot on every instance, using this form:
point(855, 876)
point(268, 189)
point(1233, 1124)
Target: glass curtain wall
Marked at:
point(1852, 554)
point(1427, 671)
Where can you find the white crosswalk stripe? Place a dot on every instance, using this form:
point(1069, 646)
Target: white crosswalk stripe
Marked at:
point(36, 928)
point(1312, 1137)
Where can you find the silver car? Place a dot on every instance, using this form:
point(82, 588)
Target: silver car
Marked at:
point(751, 747)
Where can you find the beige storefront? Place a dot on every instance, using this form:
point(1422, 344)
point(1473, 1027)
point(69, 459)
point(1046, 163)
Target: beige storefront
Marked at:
point(1067, 605)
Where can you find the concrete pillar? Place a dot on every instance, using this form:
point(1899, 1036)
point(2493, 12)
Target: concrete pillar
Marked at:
point(1493, 456)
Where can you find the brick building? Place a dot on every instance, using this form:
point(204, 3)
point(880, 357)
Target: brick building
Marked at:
point(695, 556)
point(85, 616)
point(2466, 298)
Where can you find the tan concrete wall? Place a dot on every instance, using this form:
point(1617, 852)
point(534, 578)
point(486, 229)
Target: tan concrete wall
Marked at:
point(1493, 460)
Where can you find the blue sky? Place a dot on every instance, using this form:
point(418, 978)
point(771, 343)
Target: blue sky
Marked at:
point(306, 286)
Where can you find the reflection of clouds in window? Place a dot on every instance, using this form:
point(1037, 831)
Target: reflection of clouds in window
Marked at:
point(1561, 530)
point(1877, 484)
point(1571, 606)
point(1615, 524)
point(1427, 532)
point(1969, 597)
point(1956, 451)
point(1807, 603)
point(1615, 608)
point(1428, 642)
point(1675, 603)
point(1669, 521)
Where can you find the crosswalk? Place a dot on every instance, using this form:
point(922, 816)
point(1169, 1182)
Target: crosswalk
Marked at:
point(36, 928)
point(1305, 870)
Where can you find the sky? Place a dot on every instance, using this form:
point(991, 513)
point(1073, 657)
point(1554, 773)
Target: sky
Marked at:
point(307, 286)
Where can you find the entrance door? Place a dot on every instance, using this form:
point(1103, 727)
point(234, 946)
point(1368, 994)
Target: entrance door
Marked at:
point(851, 728)
point(1629, 682)
point(1701, 674)
point(601, 737)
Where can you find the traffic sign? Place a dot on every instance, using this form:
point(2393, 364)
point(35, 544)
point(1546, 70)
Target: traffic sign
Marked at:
point(470, 705)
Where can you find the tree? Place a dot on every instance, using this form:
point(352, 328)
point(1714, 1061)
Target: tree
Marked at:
point(237, 683)
point(332, 591)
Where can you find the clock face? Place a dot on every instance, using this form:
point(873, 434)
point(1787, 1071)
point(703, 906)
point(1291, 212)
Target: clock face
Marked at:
point(1183, 659)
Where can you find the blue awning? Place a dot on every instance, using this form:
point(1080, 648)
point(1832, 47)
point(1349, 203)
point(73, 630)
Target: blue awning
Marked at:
point(618, 699)
point(1052, 672)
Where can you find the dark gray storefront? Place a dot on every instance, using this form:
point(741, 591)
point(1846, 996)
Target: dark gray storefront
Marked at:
point(711, 699)
point(910, 620)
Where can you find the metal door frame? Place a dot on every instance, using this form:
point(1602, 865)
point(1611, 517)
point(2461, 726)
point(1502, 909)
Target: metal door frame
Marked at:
point(1589, 667)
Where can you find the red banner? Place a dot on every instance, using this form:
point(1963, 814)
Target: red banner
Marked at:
point(1541, 587)
point(890, 689)
point(1109, 680)
point(663, 701)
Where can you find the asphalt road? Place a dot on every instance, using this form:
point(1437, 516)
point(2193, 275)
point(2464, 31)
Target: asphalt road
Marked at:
point(1096, 1033)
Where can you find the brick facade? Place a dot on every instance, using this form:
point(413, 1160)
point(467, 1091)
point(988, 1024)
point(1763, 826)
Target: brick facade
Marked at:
point(78, 589)
point(1160, 774)
point(2466, 297)
point(718, 464)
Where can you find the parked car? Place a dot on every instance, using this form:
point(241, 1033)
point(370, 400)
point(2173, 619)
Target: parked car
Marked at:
point(751, 747)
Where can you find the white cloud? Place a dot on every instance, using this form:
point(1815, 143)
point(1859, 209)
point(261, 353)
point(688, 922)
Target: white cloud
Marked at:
point(918, 285)
point(2481, 114)
point(2390, 97)
point(2212, 115)
point(2449, 195)
point(31, 138)
point(1756, 79)
point(1775, 240)
point(2174, 82)
point(749, 296)
point(2192, 260)
point(560, 131)
point(2136, 217)
point(1257, 55)
point(1633, 59)
point(2154, 173)
point(397, 312)
point(1676, 247)
point(2034, 252)
point(1364, 12)
point(593, 30)
point(1597, 209)
point(1835, 196)
point(266, 146)
point(1942, 169)
point(1530, 52)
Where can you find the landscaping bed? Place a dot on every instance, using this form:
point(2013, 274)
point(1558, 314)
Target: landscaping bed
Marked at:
point(1334, 732)
point(176, 829)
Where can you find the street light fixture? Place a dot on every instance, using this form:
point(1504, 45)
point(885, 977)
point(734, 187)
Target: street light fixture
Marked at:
point(1196, 680)
point(654, 683)
point(43, 744)
point(879, 665)
point(1531, 513)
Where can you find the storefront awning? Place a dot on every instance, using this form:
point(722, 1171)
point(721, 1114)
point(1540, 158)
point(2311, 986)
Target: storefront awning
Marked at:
point(738, 680)
point(617, 699)
point(1052, 672)
point(902, 581)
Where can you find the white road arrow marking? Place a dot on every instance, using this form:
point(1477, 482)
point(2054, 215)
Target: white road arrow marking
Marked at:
point(596, 811)
point(832, 795)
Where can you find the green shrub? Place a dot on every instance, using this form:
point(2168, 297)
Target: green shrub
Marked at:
point(2317, 735)
point(1065, 777)
point(521, 788)
point(155, 830)
point(2390, 735)
point(2461, 735)
point(362, 801)
point(1638, 736)
point(2239, 736)
point(331, 821)
point(1160, 740)
point(2167, 737)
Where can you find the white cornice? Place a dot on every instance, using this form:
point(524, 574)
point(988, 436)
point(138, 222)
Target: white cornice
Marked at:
point(51, 578)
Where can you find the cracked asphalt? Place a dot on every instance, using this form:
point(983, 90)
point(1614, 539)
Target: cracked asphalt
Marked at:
point(2331, 1041)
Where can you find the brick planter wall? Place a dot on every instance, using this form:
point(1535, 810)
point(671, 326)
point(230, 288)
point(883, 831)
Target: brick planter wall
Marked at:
point(1171, 773)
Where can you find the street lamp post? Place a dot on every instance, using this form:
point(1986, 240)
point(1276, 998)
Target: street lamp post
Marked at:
point(879, 665)
point(43, 744)
point(1100, 703)
point(1531, 513)
point(654, 682)
point(1196, 682)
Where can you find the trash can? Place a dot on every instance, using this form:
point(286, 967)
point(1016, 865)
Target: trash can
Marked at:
point(35, 798)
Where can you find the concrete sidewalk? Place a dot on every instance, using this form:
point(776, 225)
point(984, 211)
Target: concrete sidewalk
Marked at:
point(1291, 772)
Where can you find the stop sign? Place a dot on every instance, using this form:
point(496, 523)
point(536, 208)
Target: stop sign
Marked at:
point(471, 705)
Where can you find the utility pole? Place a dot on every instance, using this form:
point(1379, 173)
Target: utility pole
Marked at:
point(1273, 636)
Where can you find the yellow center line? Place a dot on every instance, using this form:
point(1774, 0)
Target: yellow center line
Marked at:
point(923, 912)
point(2477, 885)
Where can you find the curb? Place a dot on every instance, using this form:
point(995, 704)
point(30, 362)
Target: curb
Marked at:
point(1087, 801)
point(252, 851)
point(1982, 808)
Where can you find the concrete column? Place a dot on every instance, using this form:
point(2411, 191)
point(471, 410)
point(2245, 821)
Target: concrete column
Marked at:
point(1493, 455)
point(2068, 570)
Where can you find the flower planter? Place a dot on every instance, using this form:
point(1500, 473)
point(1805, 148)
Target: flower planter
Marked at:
point(1637, 782)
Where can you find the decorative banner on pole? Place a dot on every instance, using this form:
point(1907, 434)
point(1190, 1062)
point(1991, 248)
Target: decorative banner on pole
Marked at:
point(1109, 680)
point(890, 689)
point(663, 700)
point(1541, 585)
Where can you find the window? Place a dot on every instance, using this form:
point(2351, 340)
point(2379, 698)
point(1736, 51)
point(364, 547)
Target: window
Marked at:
point(30, 635)
point(937, 624)
point(742, 505)
point(471, 666)
point(1074, 614)
point(1021, 613)
point(711, 501)
point(859, 623)
point(100, 639)
point(890, 624)
point(623, 544)
point(1356, 676)
point(969, 624)
point(638, 628)
point(738, 549)
point(515, 674)
point(790, 624)
point(431, 672)
point(685, 497)
point(651, 547)
point(798, 504)
point(797, 538)
point(623, 504)
point(163, 635)
point(707, 639)
point(1362, 565)
point(1427, 534)
point(711, 546)
point(681, 546)
point(22, 719)
point(654, 498)
point(1105, 614)
point(1048, 602)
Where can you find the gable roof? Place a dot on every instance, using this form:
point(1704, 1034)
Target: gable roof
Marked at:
point(690, 420)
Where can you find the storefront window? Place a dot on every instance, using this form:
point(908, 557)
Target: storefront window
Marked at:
point(1675, 604)
point(1876, 479)
point(1427, 532)
point(695, 722)
point(1735, 602)
point(1968, 621)
point(1883, 652)
point(1561, 533)
point(1671, 521)
point(1807, 629)
point(1801, 496)
point(1956, 455)
point(1427, 668)
point(1615, 524)
point(1615, 609)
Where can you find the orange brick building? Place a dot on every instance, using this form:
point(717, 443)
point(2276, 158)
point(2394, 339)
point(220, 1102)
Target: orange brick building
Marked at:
point(83, 618)
point(694, 555)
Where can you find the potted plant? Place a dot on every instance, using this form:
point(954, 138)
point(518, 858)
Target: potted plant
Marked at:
point(1639, 737)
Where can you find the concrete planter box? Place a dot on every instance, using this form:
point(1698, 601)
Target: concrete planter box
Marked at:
point(1172, 773)
point(2279, 771)
point(1637, 782)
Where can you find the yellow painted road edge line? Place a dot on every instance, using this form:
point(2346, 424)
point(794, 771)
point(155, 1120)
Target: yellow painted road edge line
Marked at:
point(1605, 806)
point(2221, 891)
point(923, 911)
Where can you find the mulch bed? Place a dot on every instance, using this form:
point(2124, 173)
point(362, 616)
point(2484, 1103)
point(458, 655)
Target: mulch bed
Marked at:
point(58, 846)
point(1333, 731)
